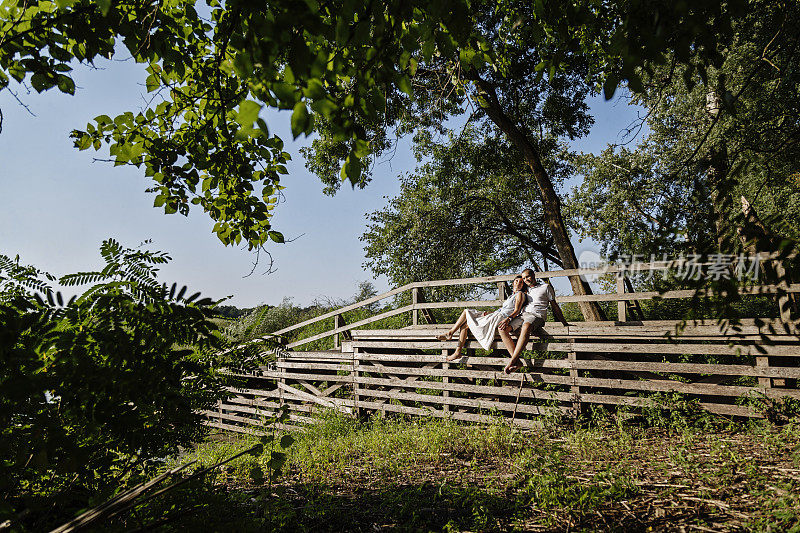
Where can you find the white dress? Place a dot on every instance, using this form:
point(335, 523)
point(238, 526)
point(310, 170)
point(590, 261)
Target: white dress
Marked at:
point(484, 327)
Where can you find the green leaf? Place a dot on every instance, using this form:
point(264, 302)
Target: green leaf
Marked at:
point(276, 236)
point(65, 84)
point(40, 82)
point(404, 84)
point(105, 6)
point(248, 113)
point(83, 142)
point(286, 441)
point(152, 83)
point(301, 120)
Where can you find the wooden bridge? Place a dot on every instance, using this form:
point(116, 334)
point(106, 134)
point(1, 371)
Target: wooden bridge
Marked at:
point(629, 362)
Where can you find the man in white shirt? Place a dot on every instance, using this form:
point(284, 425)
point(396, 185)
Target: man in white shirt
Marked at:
point(530, 319)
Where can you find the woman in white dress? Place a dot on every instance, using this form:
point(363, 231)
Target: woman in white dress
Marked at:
point(482, 325)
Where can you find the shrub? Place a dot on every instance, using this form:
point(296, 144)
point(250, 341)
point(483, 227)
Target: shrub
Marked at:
point(100, 387)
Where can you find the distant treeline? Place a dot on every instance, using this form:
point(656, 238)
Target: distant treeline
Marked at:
point(231, 311)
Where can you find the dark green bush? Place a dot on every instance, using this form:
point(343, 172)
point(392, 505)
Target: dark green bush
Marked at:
point(99, 389)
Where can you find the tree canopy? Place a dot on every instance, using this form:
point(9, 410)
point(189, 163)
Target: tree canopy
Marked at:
point(341, 65)
point(470, 209)
point(715, 137)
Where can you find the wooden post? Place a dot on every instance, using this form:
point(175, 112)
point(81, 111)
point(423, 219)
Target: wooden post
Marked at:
point(281, 369)
point(501, 290)
point(784, 301)
point(338, 322)
point(445, 381)
point(355, 374)
point(639, 314)
point(572, 357)
point(763, 362)
point(415, 301)
point(622, 312)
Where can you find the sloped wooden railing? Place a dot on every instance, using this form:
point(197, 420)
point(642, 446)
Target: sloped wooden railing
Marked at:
point(418, 305)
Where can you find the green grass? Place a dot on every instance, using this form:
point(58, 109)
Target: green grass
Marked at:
point(601, 474)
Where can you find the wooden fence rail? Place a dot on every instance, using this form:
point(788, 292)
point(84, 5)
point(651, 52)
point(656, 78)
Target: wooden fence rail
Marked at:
point(624, 296)
point(627, 363)
point(622, 365)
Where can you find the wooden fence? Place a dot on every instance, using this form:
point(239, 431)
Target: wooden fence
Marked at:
point(632, 363)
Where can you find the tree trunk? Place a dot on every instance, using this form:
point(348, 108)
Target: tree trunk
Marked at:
point(718, 174)
point(550, 201)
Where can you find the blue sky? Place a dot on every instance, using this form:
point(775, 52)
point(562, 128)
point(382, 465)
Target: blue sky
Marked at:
point(57, 205)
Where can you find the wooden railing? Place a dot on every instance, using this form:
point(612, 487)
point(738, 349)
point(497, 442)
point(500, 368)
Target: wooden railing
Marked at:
point(623, 296)
point(625, 363)
point(585, 364)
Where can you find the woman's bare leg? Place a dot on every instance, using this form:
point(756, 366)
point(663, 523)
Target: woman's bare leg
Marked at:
point(462, 340)
point(508, 342)
point(461, 322)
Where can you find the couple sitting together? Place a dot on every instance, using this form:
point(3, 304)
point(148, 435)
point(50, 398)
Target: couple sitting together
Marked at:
point(523, 312)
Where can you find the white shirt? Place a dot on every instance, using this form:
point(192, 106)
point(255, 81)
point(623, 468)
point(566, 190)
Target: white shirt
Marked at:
point(539, 298)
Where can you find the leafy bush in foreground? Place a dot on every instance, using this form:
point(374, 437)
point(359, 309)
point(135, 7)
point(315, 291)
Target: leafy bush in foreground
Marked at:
point(98, 387)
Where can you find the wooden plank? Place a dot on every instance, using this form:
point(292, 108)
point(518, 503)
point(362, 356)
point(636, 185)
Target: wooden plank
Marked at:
point(635, 324)
point(572, 361)
point(332, 403)
point(621, 310)
point(460, 387)
point(763, 363)
point(257, 412)
point(716, 408)
point(275, 393)
point(445, 381)
point(418, 358)
point(573, 381)
point(475, 403)
point(251, 401)
point(338, 322)
point(691, 368)
point(254, 422)
point(363, 322)
point(296, 410)
point(503, 291)
point(708, 389)
point(608, 347)
point(427, 314)
point(684, 293)
point(450, 305)
point(639, 314)
point(314, 355)
point(354, 381)
point(297, 407)
point(586, 364)
point(474, 373)
point(346, 366)
point(247, 430)
point(469, 417)
point(346, 308)
point(414, 302)
point(311, 388)
point(332, 388)
point(300, 376)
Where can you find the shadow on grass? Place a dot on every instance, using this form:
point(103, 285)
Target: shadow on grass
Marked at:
point(400, 507)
